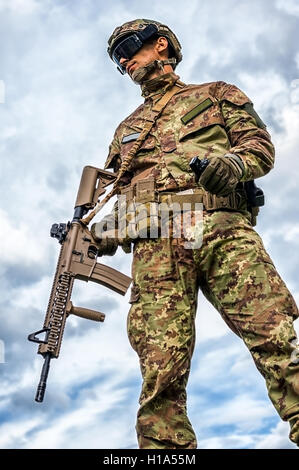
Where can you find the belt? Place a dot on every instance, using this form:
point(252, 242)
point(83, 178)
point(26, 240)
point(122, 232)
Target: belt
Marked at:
point(144, 191)
point(209, 201)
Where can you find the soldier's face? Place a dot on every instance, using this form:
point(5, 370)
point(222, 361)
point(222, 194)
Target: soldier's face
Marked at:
point(143, 57)
point(147, 54)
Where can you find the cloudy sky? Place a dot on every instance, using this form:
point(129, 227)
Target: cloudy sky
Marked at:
point(60, 101)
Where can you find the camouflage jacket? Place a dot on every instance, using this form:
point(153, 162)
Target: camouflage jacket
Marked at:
point(204, 120)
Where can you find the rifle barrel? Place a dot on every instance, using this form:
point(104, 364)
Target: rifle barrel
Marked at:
point(41, 388)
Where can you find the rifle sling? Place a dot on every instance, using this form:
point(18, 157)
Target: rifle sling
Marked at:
point(156, 112)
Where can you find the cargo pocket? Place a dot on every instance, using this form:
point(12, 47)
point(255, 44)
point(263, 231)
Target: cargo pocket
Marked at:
point(144, 156)
point(244, 278)
point(168, 142)
point(135, 321)
point(147, 146)
point(153, 262)
point(202, 133)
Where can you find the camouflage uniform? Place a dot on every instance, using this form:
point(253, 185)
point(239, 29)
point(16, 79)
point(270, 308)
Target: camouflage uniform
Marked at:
point(231, 268)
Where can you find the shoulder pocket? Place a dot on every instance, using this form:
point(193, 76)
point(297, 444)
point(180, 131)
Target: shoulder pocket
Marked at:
point(204, 114)
point(129, 141)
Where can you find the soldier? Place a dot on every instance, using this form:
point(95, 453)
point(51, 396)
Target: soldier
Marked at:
point(215, 121)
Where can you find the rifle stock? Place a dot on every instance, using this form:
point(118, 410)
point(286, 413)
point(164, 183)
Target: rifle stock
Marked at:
point(77, 260)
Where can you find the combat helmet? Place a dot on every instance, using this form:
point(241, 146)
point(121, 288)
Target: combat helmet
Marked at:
point(127, 39)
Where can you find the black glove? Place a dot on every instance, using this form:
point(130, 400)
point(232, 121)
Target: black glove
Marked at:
point(222, 174)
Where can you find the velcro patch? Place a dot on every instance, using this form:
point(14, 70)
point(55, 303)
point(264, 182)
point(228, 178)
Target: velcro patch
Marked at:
point(250, 110)
point(130, 137)
point(197, 110)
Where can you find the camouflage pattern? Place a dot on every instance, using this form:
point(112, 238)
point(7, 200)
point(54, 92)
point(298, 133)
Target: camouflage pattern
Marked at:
point(138, 25)
point(223, 127)
point(232, 267)
point(238, 277)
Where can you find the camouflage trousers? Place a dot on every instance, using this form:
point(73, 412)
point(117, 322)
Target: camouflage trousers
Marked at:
point(235, 273)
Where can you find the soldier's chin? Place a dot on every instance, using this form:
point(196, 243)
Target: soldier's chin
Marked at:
point(139, 75)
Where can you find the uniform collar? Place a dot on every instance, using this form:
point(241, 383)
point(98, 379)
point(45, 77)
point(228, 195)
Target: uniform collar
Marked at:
point(158, 85)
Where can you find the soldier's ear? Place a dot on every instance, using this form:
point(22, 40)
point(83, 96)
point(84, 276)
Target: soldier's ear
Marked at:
point(162, 44)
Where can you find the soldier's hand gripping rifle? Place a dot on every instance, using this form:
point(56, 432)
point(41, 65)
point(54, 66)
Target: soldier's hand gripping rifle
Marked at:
point(77, 260)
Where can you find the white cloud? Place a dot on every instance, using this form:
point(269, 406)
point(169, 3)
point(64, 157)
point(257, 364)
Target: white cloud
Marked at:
point(223, 360)
point(77, 423)
point(19, 7)
point(18, 242)
point(265, 88)
point(2, 91)
point(243, 411)
point(16, 430)
point(289, 6)
point(286, 143)
point(277, 438)
point(209, 324)
point(227, 442)
point(95, 352)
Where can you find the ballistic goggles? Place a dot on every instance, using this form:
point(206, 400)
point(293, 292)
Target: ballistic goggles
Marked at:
point(128, 47)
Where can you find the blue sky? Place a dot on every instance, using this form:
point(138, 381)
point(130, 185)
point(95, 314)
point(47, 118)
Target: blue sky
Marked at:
point(62, 99)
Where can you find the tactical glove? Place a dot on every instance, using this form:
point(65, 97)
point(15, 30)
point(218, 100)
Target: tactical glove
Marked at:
point(222, 174)
point(107, 245)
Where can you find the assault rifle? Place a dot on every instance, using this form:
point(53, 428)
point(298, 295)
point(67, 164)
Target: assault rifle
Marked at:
point(77, 260)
